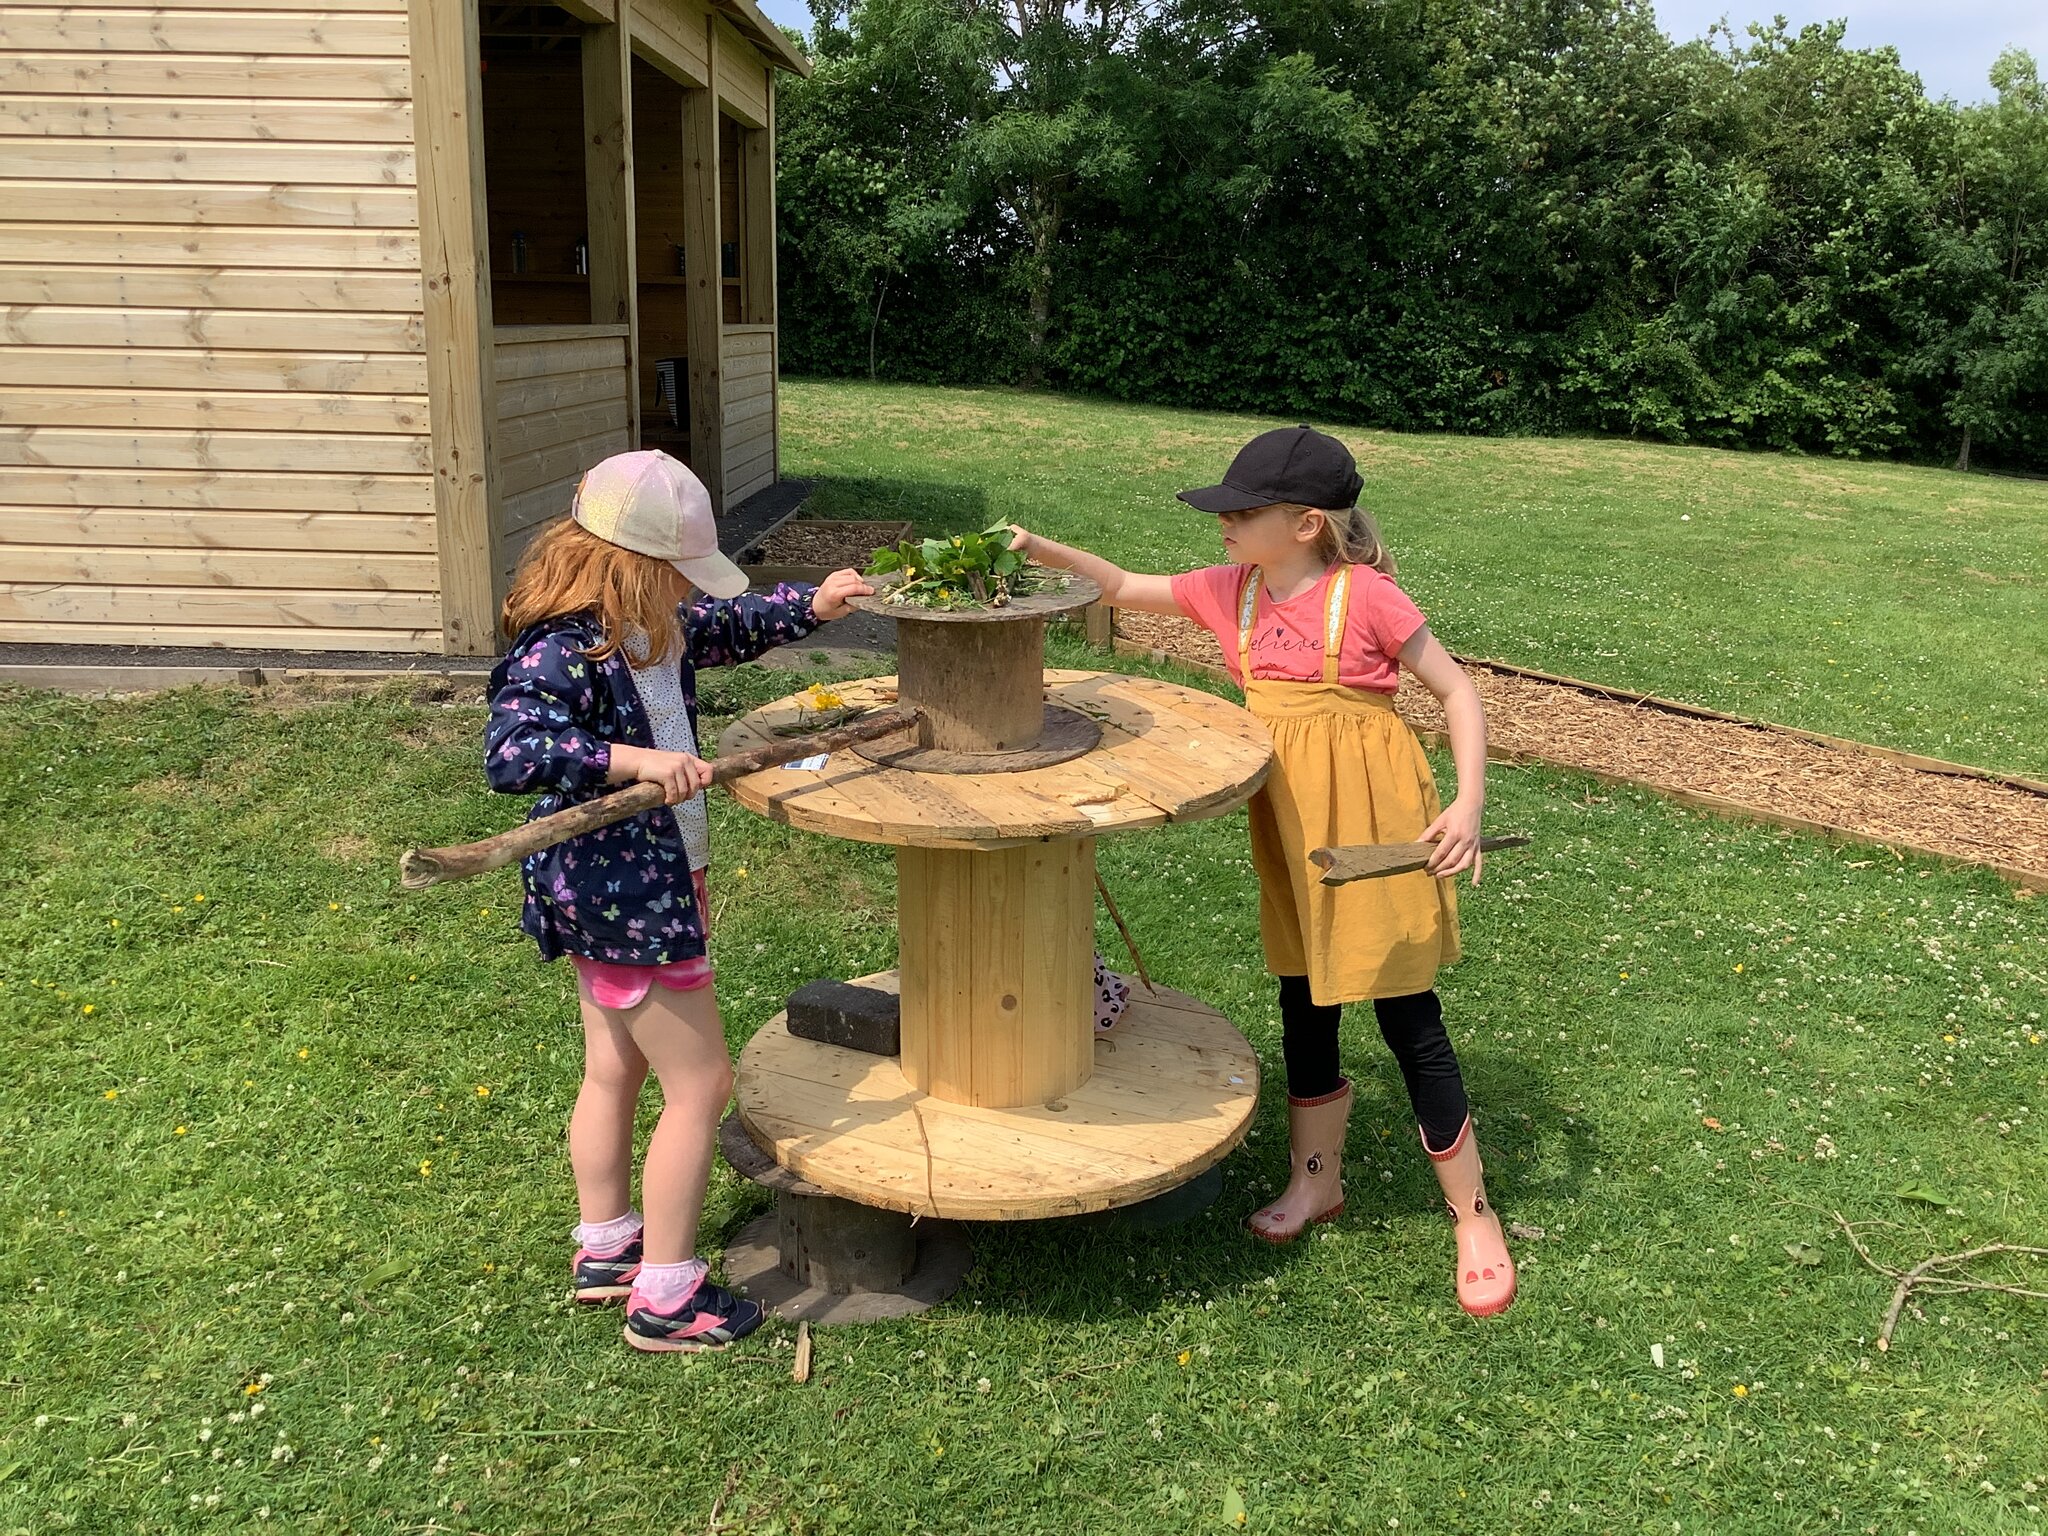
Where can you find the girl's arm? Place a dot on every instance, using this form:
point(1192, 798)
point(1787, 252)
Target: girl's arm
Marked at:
point(537, 736)
point(1456, 831)
point(1120, 588)
point(722, 632)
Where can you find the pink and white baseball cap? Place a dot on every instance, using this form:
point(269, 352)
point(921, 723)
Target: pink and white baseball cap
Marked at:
point(651, 504)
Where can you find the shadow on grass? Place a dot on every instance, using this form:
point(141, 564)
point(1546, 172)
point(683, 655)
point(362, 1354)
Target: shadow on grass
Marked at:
point(934, 506)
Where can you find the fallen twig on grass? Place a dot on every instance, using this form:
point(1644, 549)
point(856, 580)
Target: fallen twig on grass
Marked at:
point(1926, 1275)
point(800, 1372)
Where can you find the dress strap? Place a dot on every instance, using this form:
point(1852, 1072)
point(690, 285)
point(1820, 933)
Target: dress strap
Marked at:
point(1334, 620)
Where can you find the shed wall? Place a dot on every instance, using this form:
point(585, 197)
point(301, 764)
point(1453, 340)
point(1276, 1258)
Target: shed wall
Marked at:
point(213, 398)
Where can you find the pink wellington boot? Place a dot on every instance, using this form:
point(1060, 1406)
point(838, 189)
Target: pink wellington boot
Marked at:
point(1315, 1140)
point(1486, 1274)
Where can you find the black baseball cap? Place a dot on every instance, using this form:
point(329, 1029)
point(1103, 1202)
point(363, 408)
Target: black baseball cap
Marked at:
point(1296, 464)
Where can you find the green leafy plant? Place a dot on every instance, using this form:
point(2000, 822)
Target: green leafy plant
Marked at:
point(968, 570)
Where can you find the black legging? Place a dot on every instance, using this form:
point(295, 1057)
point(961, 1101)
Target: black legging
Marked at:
point(1413, 1028)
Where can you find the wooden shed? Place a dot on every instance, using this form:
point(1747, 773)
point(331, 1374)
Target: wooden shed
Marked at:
point(314, 312)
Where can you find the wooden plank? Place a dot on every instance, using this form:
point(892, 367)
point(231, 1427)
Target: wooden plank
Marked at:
point(215, 203)
point(203, 606)
point(598, 13)
point(526, 335)
point(530, 434)
point(151, 7)
point(278, 33)
point(455, 256)
point(742, 77)
point(609, 211)
point(291, 570)
point(289, 411)
point(286, 529)
point(527, 397)
point(171, 160)
point(748, 436)
point(324, 249)
point(745, 391)
point(191, 119)
point(747, 471)
point(83, 448)
point(543, 503)
point(757, 255)
point(705, 292)
point(556, 359)
point(215, 75)
point(559, 461)
point(117, 287)
point(240, 490)
point(385, 373)
point(228, 636)
point(758, 480)
point(673, 40)
point(62, 325)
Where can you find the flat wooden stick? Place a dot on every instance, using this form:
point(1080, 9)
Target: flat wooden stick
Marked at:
point(419, 868)
point(1130, 943)
point(1373, 861)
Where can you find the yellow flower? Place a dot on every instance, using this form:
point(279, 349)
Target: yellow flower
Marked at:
point(482, 1092)
point(304, 1053)
point(177, 909)
point(1741, 1390)
point(1950, 1039)
point(490, 1269)
point(415, 976)
point(114, 922)
point(334, 906)
point(1738, 968)
point(740, 873)
point(86, 1009)
point(248, 1082)
point(178, 1130)
point(252, 1389)
point(1185, 1356)
point(426, 1167)
point(111, 1093)
point(199, 895)
point(1624, 975)
point(483, 911)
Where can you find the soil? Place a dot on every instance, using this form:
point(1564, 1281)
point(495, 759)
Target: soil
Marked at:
point(1763, 767)
point(827, 543)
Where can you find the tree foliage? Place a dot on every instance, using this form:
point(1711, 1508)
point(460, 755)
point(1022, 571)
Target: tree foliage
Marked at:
point(1482, 215)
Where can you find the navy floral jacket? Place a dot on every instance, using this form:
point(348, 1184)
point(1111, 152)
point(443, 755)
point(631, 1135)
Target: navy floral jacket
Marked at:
point(621, 893)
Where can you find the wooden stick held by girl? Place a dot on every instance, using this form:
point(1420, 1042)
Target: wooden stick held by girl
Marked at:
point(1316, 633)
point(597, 690)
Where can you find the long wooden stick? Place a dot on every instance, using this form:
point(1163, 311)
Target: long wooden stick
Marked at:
point(419, 868)
point(1130, 943)
point(1374, 861)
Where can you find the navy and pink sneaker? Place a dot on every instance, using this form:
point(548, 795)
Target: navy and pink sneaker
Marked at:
point(602, 1277)
point(711, 1317)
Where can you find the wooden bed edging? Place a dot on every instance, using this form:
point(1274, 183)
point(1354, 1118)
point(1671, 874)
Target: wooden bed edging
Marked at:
point(1720, 805)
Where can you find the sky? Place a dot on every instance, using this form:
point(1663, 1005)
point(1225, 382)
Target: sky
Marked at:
point(1949, 43)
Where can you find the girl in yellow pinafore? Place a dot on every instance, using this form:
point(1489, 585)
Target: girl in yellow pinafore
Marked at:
point(1317, 632)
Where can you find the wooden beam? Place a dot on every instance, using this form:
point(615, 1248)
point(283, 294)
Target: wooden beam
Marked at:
point(454, 247)
point(757, 226)
point(608, 191)
point(601, 13)
point(705, 316)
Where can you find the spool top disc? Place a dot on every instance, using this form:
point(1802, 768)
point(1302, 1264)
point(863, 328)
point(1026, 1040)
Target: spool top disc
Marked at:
point(1077, 592)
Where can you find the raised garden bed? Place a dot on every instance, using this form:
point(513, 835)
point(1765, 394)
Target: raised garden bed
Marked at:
point(810, 549)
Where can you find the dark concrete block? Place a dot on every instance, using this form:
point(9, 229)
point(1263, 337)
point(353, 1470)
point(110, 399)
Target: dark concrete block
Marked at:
point(839, 1013)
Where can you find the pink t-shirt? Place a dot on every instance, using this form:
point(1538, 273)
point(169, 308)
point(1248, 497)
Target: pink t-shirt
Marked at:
point(1287, 638)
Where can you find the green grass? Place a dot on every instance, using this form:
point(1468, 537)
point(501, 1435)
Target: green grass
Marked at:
point(1892, 604)
point(249, 1147)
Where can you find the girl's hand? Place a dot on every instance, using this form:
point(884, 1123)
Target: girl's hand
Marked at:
point(1032, 547)
point(1456, 834)
point(679, 774)
point(829, 601)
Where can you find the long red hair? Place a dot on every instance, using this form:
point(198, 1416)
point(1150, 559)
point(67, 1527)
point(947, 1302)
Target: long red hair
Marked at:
point(567, 569)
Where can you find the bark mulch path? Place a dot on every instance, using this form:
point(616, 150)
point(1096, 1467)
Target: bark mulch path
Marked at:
point(1759, 770)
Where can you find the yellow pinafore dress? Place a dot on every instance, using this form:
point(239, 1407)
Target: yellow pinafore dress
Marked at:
point(1346, 769)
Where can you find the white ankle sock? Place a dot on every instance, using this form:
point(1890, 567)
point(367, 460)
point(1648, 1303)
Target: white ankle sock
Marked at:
point(607, 1237)
point(664, 1287)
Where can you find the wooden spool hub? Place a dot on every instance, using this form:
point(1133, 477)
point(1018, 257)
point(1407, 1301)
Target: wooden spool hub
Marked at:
point(998, 971)
point(979, 677)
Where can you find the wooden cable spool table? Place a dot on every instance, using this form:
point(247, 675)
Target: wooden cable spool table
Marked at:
point(1002, 1104)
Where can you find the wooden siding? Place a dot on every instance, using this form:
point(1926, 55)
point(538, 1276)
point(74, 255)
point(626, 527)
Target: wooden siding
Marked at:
point(213, 384)
point(750, 431)
point(564, 402)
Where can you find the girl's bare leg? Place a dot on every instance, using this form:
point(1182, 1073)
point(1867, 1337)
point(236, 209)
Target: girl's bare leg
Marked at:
point(681, 1035)
point(601, 1126)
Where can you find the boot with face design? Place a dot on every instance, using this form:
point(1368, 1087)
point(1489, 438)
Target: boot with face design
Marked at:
point(1315, 1138)
point(1486, 1275)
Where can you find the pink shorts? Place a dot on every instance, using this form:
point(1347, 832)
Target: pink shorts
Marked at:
point(611, 985)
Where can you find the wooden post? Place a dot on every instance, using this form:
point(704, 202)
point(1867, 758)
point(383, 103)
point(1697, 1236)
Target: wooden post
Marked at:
point(447, 82)
point(608, 193)
point(757, 227)
point(981, 686)
point(998, 972)
point(705, 319)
